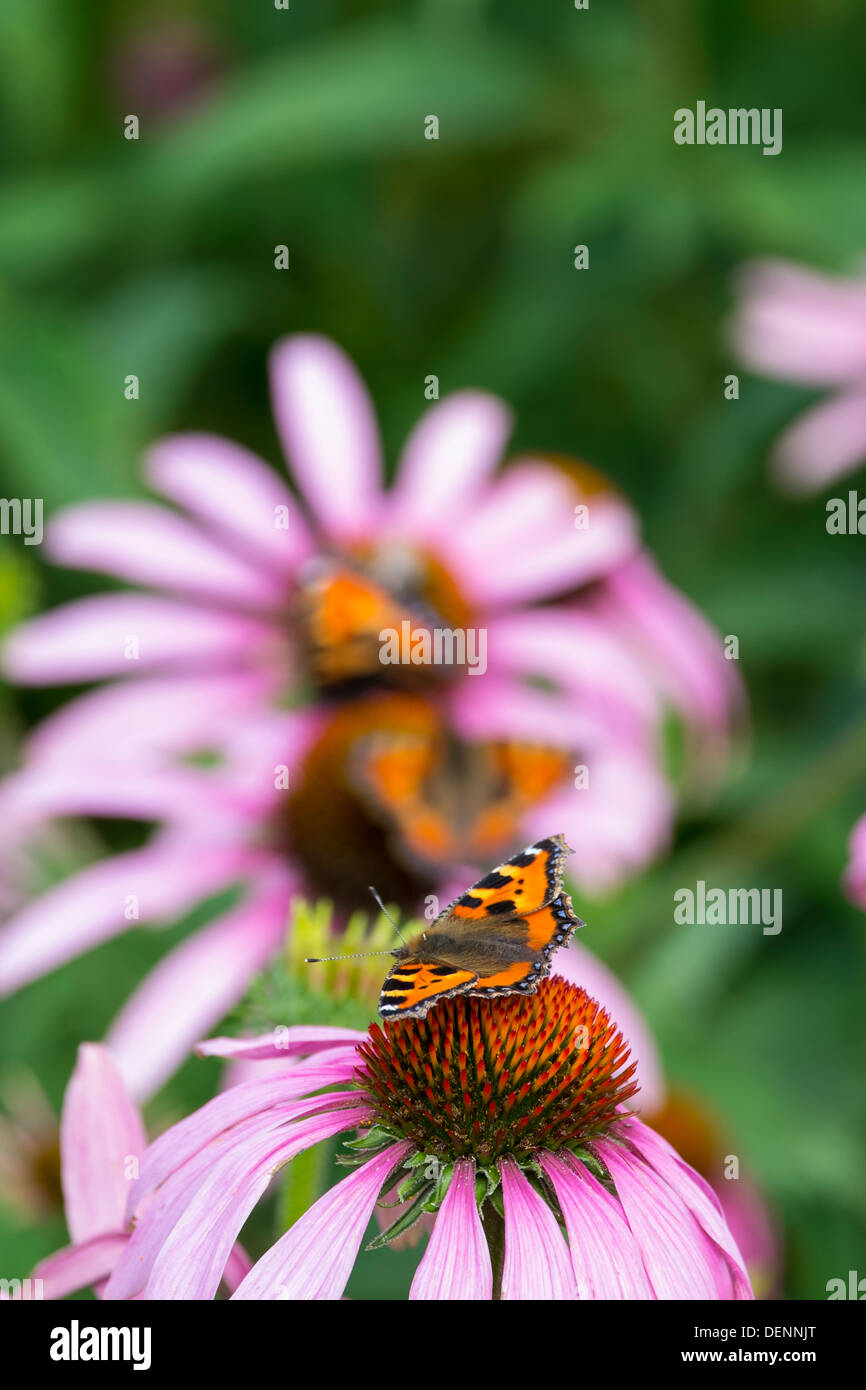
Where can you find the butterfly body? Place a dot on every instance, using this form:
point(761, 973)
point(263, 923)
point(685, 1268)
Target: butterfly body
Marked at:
point(497, 938)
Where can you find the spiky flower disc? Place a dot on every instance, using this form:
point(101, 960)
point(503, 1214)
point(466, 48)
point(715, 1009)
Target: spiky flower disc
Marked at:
point(513, 1075)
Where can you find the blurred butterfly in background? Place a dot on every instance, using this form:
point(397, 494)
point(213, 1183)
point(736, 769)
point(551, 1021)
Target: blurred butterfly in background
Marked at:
point(447, 802)
point(496, 938)
point(343, 608)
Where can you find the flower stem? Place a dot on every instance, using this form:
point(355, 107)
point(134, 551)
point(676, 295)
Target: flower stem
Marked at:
point(494, 1231)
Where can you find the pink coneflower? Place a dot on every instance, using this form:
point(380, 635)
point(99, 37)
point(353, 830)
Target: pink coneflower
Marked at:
point(101, 1142)
point(250, 651)
point(505, 1118)
point(809, 328)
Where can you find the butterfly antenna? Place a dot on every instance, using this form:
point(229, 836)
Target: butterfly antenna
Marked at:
point(385, 913)
point(349, 955)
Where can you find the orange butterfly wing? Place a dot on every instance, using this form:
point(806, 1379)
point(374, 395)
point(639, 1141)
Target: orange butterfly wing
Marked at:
point(522, 885)
point(344, 613)
point(393, 769)
point(413, 985)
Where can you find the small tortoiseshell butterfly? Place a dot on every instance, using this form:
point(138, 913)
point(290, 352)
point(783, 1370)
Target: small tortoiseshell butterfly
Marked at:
point(342, 612)
point(444, 800)
point(497, 938)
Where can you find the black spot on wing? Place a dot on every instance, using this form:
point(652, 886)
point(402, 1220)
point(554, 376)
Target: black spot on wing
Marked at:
point(524, 859)
point(467, 900)
point(494, 880)
point(501, 909)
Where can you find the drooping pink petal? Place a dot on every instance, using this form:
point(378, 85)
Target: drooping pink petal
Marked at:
point(578, 964)
point(329, 432)
point(604, 1255)
point(755, 1232)
point(456, 1264)
point(504, 707)
point(193, 1257)
point(697, 1196)
point(238, 1266)
point(448, 457)
point(537, 1263)
point(101, 1141)
point(80, 1266)
point(153, 714)
point(154, 884)
point(822, 445)
point(314, 1259)
point(46, 791)
point(251, 1100)
point(123, 634)
point(236, 494)
point(147, 544)
point(578, 651)
point(302, 1039)
point(675, 643)
point(681, 1260)
point(195, 985)
point(800, 325)
point(159, 1211)
point(529, 517)
point(617, 823)
point(855, 872)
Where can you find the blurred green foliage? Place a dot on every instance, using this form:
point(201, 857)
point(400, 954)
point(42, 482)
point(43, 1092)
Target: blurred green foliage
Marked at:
point(305, 127)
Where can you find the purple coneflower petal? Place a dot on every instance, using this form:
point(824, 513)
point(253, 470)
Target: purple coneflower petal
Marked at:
point(89, 639)
point(244, 1145)
point(165, 879)
point(822, 445)
point(238, 1266)
point(456, 1264)
point(579, 651)
point(682, 1261)
point(604, 1254)
point(618, 823)
point(537, 1263)
point(79, 1266)
point(801, 325)
point(855, 872)
point(329, 432)
point(236, 494)
point(291, 1089)
point(448, 457)
point(49, 791)
point(195, 985)
point(306, 1039)
point(676, 644)
point(314, 1259)
point(529, 516)
point(101, 1140)
point(161, 714)
point(148, 544)
point(696, 1194)
point(193, 1256)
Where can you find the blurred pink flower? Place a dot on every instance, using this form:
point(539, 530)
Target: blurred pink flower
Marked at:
point(855, 872)
point(101, 1142)
point(803, 326)
point(640, 1223)
point(588, 645)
